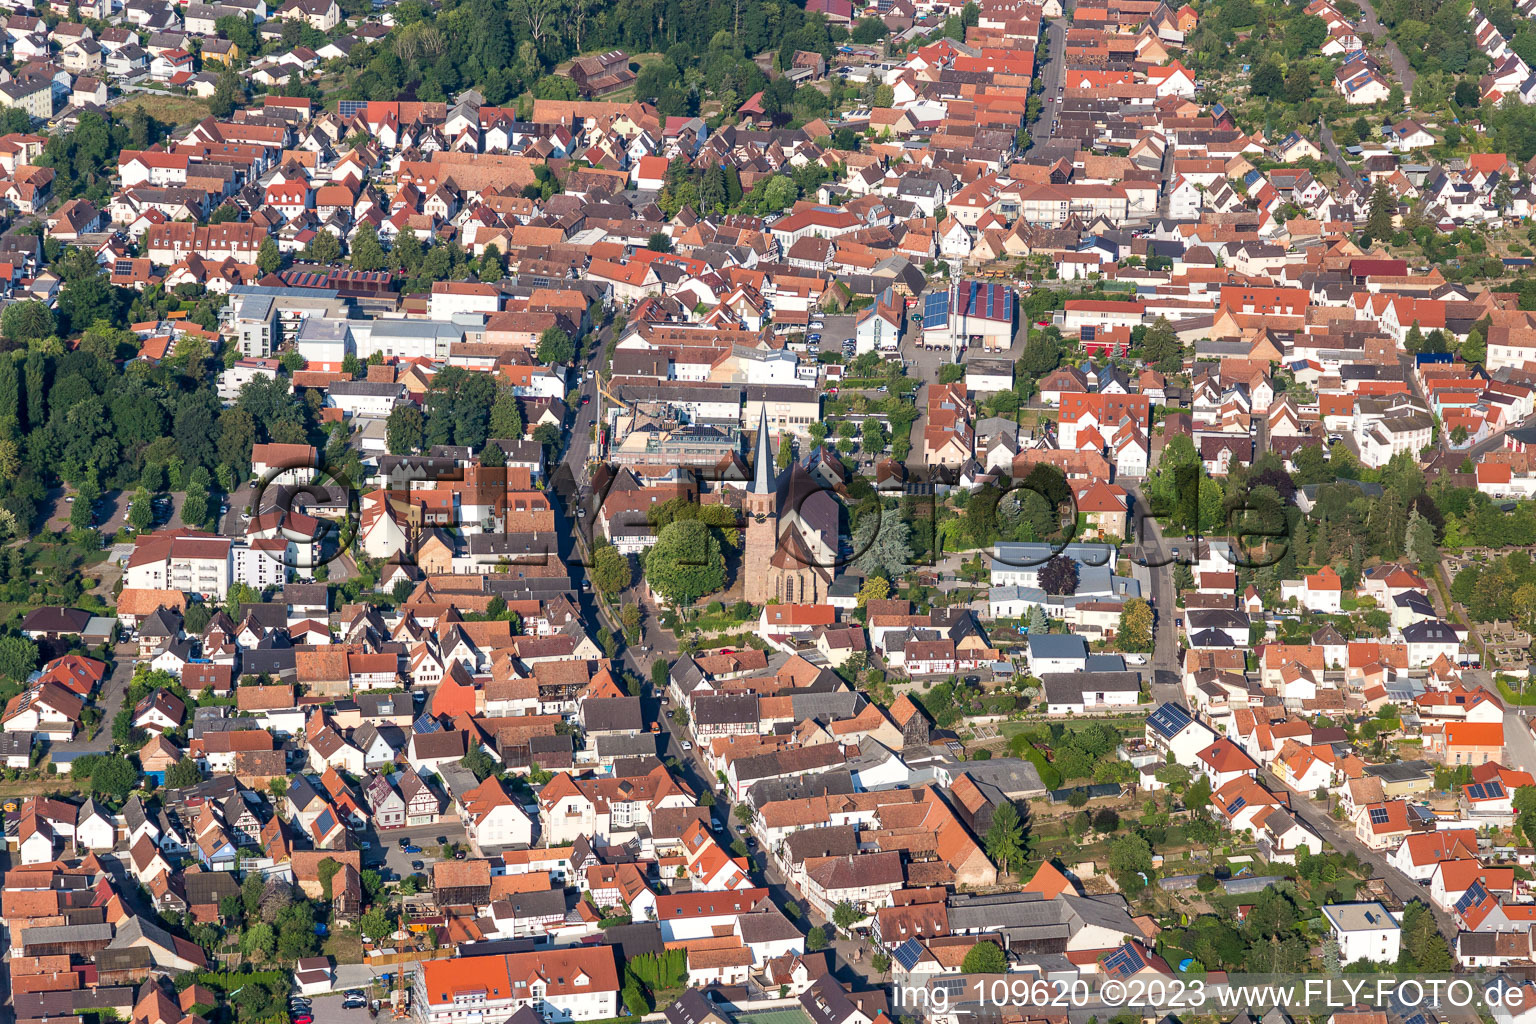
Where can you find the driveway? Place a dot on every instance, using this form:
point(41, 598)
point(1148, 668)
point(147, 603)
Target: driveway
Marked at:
point(110, 700)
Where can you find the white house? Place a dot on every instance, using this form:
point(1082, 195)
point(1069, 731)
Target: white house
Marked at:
point(1364, 931)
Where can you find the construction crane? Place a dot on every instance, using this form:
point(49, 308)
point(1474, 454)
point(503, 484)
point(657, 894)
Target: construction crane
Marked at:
point(401, 998)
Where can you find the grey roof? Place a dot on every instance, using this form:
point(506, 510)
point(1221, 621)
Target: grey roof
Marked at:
point(766, 925)
point(1069, 687)
point(1057, 645)
point(692, 1007)
point(642, 744)
point(726, 709)
point(1030, 916)
point(833, 783)
point(1010, 555)
point(1430, 632)
point(1013, 777)
point(612, 714)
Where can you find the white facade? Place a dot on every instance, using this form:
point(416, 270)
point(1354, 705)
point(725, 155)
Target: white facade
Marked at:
point(1364, 931)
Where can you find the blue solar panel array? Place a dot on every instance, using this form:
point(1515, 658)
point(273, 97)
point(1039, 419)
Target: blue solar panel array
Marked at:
point(1378, 815)
point(1486, 790)
point(1474, 895)
point(347, 108)
point(1237, 805)
point(1124, 962)
point(908, 954)
point(1169, 720)
point(426, 724)
point(935, 309)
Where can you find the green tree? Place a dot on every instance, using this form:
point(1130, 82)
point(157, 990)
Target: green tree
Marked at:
point(685, 563)
point(404, 430)
point(816, 939)
point(610, 570)
point(140, 511)
point(556, 347)
point(1383, 208)
point(183, 773)
point(1005, 837)
point(367, 252)
point(114, 777)
point(1042, 352)
point(506, 417)
point(986, 957)
point(376, 923)
point(26, 321)
point(1136, 625)
point(18, 657)
point(1161, 347)
point(268, 259)
point(1130, 858)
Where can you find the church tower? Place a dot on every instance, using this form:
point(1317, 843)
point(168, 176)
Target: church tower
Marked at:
point(760, 506)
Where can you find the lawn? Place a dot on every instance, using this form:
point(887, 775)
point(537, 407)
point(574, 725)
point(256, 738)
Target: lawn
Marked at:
point(165, 107)
point(345, 945)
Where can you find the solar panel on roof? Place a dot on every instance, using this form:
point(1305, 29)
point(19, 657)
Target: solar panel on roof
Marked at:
point(908, 954)
point(1474, 895)
point(1124, 961)
point(1493, 790)
point(1087, 332)
point(348, 108)
point(1378, 815)
point(1169, 720)
point(123, 268)
point(935, 309)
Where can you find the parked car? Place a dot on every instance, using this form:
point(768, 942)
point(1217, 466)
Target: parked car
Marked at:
point(817, 325)
point(412, 848)
point(417, 865)
point(687, 746)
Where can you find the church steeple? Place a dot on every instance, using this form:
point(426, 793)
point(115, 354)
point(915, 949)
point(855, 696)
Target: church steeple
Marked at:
point(762, 479)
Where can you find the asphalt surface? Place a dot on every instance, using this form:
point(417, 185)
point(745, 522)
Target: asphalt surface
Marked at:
point(1395, 56)
point(1054, 75)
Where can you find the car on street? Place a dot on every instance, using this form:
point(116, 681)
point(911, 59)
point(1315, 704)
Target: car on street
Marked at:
point(882, 389)
point(972, 680)
point(671, 713)
point(586, 399)
point(1174, 552)
point(687, 746)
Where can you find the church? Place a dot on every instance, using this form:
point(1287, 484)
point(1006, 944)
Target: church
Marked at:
point(792, 532)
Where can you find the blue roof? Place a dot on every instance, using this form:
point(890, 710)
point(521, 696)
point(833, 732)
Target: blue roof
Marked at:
point(1169, 719)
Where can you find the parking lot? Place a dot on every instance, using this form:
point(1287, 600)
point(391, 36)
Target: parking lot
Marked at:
point(387, 852)
point(835, 329)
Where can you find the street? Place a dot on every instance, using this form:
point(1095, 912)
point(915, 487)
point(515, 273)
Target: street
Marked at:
point(114, 690)
point(1342, 838)
point(1395, 56)
point(1054, 75)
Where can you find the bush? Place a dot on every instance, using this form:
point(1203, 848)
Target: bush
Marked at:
point(1206, 882)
